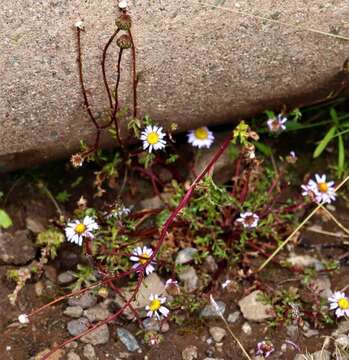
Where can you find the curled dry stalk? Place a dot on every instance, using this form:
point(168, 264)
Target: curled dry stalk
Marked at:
point(113, 98)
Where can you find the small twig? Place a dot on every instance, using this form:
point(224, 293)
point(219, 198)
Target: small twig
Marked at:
point(219, 313)
point(116, 105)
point(335, 220)
point(324, 232)
point(103, 67)
point(134, 76)
point(81, 76)
point(42, 186)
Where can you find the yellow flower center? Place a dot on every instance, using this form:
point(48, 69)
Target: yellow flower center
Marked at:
point(153, 138)
point(155, 305)
point(80, 228)
point(201, 133)
point(343, 303)
point(143, 258)
point(323, 187)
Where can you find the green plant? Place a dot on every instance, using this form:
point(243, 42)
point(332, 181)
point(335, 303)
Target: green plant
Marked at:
point(85, 276)
point(339, 129)
point(5, 220)
point(50, 239)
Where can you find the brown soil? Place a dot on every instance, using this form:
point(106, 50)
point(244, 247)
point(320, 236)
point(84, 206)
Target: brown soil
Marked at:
point(20, 343)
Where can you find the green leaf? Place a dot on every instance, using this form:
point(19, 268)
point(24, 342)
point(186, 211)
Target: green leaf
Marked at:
point(63, 196)
point(5, 220)
point(334, 116)
point(294, 125)
point(341, 155)
point(263, 148)
point(324, 142)
point(345, 124)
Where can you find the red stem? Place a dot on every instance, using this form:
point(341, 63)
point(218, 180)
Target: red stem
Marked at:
point(134, 75)
point(103, 67)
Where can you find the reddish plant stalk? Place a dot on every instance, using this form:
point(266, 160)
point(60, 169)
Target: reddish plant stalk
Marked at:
point(185, 199)
point(81, 76)
point(104, 56)
point(134, 75)
point(116, 105)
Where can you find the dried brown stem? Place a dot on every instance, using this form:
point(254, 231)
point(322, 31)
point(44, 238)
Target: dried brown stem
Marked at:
point(81, 76)
point(134, 75)
point(104, 56)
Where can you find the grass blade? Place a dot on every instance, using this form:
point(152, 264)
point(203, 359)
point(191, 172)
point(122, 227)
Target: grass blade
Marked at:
point(324, 142)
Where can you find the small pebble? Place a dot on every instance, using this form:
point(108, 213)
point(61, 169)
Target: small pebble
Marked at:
point(89, 352)
point(73, 356)
point(73, 311)
point(209, 311)
point(246, 328)
point(65, 278)
point(76, 327)
point(127, 339)
point(190, 353)
point(233, 317)
point(39, 288)
point(217, 333)
point(86, 300)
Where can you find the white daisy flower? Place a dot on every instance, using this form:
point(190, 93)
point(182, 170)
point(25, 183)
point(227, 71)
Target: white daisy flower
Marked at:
point(322, 190)
point(339, 302)
point(201, 137)
point(156, 308)
point(277, 124)
point(23, 319)
point(248, 219)
point(77, 230)
point(153, 138)
point(140, 256)
point(325, 191)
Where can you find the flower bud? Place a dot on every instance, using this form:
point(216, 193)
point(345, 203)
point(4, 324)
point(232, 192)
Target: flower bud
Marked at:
point(123, 22)
point(124, 42)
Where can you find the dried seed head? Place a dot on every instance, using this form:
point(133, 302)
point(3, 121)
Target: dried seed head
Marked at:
point(123, 4)
point(124, 22)
point(77, 160)
point(80, 25)
point(124, 42)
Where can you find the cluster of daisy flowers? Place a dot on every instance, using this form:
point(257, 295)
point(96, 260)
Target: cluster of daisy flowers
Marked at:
point(154, 138)
point(320, 190)
point(77, 230)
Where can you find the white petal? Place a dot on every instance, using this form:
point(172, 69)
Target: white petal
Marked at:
point(164, 311)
